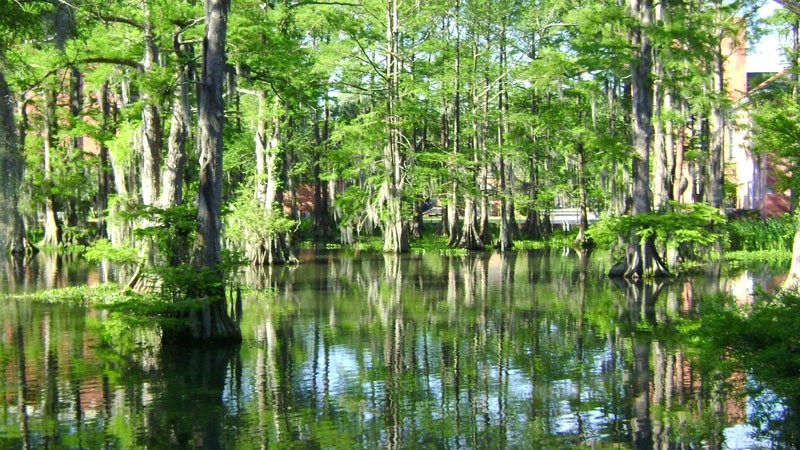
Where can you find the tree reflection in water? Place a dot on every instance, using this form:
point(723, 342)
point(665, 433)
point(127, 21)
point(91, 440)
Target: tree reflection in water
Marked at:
point(380, 351)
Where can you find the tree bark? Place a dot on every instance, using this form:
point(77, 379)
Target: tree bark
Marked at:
point(210, 322)
point(533, 225)
point(504, 241)
point(52, 228)
point(453, 226)
point(172, 179)
point(322, 216)
point(581, 241)
point(641, 258)
point(715, 172)
point(451, 212)
point(272, 248)
point(152, 133)
point(471, 231)
point(661, 186)
point(104, 172)
point(12, 231)
point(394, 227)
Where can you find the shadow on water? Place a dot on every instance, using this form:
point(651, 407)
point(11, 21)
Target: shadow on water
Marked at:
point(188, 386)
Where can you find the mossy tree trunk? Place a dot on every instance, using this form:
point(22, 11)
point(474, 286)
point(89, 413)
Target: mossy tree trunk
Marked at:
point(504, 241)
point(104, 172)
point(12, 232)
point(716, 123)
point(272, 248)
point(641, 257)
point(172, 177)
point(322, 225)
point(52, 227)
point(209, 322)
point(152, 134)
point(394, 227)
point(452, 230)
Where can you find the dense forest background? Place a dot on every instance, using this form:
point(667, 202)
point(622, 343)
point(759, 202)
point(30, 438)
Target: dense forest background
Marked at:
point(357, 118)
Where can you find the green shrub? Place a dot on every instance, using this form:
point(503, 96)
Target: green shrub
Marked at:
point(691, 228)
point(102, 249)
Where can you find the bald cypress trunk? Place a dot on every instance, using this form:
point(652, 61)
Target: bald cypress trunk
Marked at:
point(104, 172)
point(52, 227)
point(151, 123)
point(641, 258)
point(272, 248)
point(394, 227)
point(504, 241)
point(209, 322)
point(172, 179)
point(12, 232)
point(716, 123)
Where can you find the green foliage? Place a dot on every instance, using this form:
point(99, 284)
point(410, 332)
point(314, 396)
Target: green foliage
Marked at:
point(762, 339)
point(103, 294)
point(773, 234)
point(776, 259)
point(170, 229)
point(171, 285)
point(249, 221)
point(776, 129)
point(102, 249)
point(435, 243)
point(690, 227)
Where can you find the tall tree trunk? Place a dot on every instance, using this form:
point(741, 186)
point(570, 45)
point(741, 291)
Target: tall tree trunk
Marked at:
point(533, 226)
point(641, 258)
point(12, 231)
point(504, 241)
point(581, 241)
point(76, 211)
point(104, 173)
point(661, 186)
point(681, 181)
point(272, 248)
point(662, 148)
point(450, 212)
point(152, 134)
point(714, 189)
point(52, 228)
point(394, 227)
point(172, 179)
point(470, 237)
point(453, 226)
point(483, 164)
point(210, 322)
point(125, 183)
point(452, 229)
point(322, 219)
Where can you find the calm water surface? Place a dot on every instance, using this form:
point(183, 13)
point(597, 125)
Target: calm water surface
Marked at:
point(529, 350)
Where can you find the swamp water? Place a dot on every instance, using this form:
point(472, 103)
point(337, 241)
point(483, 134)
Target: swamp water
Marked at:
point(529, 350)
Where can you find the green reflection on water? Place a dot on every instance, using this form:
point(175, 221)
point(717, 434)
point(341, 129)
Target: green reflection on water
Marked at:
point(526, 350)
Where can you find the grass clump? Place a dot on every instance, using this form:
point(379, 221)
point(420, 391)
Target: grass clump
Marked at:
point(753, 234)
